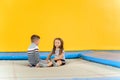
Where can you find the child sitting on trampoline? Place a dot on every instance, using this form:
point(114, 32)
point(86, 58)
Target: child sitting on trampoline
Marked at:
point(58, 51)
point(33, 51)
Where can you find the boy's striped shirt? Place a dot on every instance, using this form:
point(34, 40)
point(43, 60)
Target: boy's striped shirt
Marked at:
point(33, 54)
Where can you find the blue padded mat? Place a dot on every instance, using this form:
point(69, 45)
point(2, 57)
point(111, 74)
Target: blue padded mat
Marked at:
point(97, 78)
point(111, 58)
point(43, 55)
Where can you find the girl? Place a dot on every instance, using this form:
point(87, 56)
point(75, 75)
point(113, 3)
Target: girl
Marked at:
point(58, 51)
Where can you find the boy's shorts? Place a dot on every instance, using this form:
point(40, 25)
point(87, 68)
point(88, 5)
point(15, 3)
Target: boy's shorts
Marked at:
point(33, 58)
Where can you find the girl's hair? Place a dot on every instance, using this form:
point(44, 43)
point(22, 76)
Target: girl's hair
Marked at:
point(61, 46)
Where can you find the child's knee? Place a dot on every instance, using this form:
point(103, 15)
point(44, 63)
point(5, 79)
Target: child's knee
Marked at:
point(59, 62)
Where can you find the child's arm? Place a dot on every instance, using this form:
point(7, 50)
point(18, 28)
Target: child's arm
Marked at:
point(49, 56)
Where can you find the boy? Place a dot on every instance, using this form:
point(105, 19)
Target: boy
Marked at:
point(33, 51)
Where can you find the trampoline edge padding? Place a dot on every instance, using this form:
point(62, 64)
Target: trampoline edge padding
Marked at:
point(43, 55)
point(101, 61)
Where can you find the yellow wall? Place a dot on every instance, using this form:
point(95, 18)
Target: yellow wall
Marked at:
point(83, 24)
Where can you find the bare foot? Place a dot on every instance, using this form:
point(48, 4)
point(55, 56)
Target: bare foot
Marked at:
point(29, 65)
point(37, 65)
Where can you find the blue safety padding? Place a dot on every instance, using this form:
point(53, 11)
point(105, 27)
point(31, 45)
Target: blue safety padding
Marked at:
point(95, 78)
point(43, 55)
point(101, 60)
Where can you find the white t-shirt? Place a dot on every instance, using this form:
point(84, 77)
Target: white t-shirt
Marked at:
point(57, 52)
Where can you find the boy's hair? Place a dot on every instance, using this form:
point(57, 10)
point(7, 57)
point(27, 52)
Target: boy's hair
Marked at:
point(34, 37)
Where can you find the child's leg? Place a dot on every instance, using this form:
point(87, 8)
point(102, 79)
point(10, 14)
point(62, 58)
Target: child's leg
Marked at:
point(44, 65)
point(59, 62)
point(31, 65)
point(50, 64)
point(56, 63)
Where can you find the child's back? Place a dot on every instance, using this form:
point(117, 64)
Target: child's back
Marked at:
point(33, 54)
point(33, 51)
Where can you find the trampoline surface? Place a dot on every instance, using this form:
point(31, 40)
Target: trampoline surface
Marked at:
point(75, 69)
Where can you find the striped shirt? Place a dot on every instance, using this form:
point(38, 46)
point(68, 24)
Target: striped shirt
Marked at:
point(33, 54)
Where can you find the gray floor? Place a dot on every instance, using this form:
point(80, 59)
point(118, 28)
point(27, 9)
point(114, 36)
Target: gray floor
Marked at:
point(75, 68)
